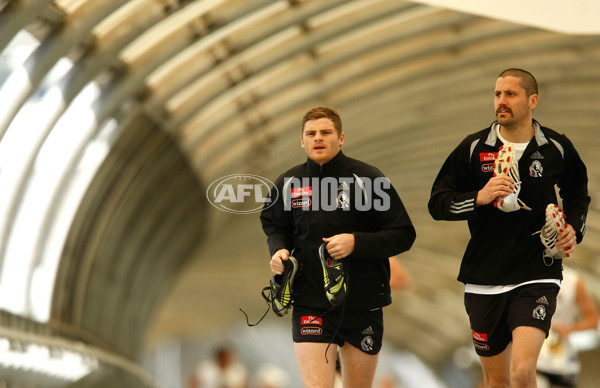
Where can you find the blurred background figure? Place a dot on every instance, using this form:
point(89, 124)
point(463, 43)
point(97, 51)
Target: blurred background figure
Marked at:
point(399, 277)
point(224, 370)
point(576, 311)
point(272, 376)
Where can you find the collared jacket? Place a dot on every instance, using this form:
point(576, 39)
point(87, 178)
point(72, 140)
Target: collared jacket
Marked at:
point(504, 248)
point(310, 202)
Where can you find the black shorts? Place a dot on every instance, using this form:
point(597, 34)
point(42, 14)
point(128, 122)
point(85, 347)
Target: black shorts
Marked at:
point(494, 317)
point(565, 381)
point(363, 330)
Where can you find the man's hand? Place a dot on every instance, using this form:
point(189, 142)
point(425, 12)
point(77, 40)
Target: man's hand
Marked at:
point(498, 186)
point(340, 245)
point(567, 240)
point(276, 260)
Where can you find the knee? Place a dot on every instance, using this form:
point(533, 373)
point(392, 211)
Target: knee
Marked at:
point(496, 381)
point(522, 375)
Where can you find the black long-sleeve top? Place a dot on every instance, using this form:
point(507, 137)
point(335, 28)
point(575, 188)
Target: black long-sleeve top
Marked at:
point(345, 195)
point(503, 248)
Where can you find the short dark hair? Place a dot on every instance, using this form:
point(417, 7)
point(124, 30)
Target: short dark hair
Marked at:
point(322, 112)
point(528, 81)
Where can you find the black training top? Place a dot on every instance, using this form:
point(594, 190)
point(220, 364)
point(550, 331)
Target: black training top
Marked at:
point(503, 249)
point(344, 195)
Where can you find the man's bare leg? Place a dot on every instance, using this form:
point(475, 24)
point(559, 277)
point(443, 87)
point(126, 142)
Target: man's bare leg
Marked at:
point(316, 371)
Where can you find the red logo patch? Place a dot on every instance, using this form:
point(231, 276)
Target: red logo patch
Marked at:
point(311, 320)
point(488, 156)
point(479, 336)
point(301, 191)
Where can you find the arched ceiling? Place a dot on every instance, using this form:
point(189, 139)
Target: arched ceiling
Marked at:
point(229, 81)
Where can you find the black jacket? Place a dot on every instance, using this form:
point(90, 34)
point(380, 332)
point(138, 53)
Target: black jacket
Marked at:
point(503, 249)
point(312, 202)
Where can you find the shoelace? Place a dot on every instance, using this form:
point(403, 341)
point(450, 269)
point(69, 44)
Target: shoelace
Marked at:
point(343, 305)
point(269, 299)
point(339, 324)
point(512, 172)
point(549, 233)
point(514, 175)
point(269, 296)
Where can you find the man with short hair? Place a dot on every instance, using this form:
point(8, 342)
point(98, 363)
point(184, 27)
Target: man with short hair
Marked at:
point(502, 181)
point(341, 220)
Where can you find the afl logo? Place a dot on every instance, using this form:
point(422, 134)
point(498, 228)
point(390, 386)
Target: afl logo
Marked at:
point(241, 193)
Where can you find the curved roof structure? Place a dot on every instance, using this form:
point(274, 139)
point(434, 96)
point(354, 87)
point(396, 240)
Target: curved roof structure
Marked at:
point(122, 113)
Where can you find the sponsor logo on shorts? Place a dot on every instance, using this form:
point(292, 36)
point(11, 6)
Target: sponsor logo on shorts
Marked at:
point(543, 300)
point(301, 202)
point(368, 330)
point(311, 320)
point(539, 312)
point(367, 344)
point(311, 330)
point(481, 346)
point(481, 337)
point(487, 167)
point(479, 341)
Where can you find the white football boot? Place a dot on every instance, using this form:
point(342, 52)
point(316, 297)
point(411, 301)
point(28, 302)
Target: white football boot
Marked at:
point(507, 164)
point(555, 224)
